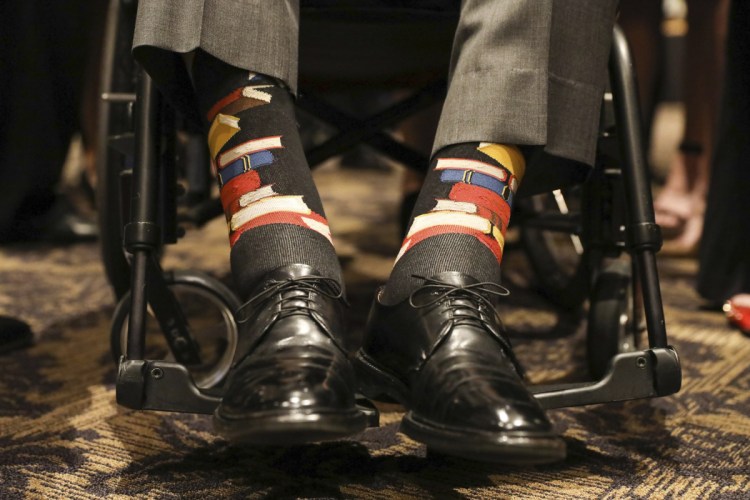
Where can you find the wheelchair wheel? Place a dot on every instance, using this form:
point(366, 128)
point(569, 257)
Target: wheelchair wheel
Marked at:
point(612, 325)
point(556, 255)
point(114, 142)
point(208, 307)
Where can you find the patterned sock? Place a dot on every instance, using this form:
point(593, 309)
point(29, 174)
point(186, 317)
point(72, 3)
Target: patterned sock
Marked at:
point(273, 209)
point(460, 218)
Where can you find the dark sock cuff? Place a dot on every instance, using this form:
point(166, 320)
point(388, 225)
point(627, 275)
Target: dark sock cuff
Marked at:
point(266, 248)
point(436, 255)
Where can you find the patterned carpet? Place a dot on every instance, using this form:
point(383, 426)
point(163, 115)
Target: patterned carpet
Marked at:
point(63, 436)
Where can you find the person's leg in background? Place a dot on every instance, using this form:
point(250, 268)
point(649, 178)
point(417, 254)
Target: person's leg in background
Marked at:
point(680, 206)
point(641, 21)
point(291, 381)
point(42, 60)
point(724, 258)
point(522, 73)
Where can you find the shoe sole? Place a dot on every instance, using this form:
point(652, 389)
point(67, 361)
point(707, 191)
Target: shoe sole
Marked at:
point(289, 429)
point(510, 448)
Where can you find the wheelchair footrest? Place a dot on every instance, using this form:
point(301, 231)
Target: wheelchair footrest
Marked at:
point(165, 386)
point(160, 385)
point(633, 375)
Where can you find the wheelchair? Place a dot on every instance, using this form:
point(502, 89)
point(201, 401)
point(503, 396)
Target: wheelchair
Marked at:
point(604, 253)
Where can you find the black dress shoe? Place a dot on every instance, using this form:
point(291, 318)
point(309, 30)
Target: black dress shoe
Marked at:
point(292, 382)
point(444, 355)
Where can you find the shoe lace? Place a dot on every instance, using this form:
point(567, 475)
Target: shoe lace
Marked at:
point(328, 287)
point(466, 302)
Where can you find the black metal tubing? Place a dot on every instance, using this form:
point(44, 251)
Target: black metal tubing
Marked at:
point(153, 176)
point(644, 233)
point(143, 200)
point(343, 121)
point(168, 313)
point(371, 127)
point(143, 206)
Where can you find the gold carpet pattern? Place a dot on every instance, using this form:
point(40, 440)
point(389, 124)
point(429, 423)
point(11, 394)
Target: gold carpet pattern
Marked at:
point(63, 436)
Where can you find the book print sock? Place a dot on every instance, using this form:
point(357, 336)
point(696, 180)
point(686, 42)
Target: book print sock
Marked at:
point(460, 217)
point(273, 210)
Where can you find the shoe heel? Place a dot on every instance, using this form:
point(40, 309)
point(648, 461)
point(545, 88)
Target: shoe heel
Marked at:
point(375, 383)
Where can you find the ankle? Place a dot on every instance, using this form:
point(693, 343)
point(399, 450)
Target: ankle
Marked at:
point(460, 217)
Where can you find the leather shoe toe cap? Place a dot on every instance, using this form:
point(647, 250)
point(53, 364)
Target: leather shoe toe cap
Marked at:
point(476, 389)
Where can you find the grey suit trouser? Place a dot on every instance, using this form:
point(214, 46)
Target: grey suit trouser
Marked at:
point(525, 72)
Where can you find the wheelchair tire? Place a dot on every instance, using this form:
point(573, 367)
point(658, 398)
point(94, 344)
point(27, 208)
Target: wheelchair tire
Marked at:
point(560, 264)
point(612, 328)
point(197, 294)
point(117, 75)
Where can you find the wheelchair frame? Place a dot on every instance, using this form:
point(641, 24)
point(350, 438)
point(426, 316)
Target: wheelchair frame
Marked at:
point(168, 386)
